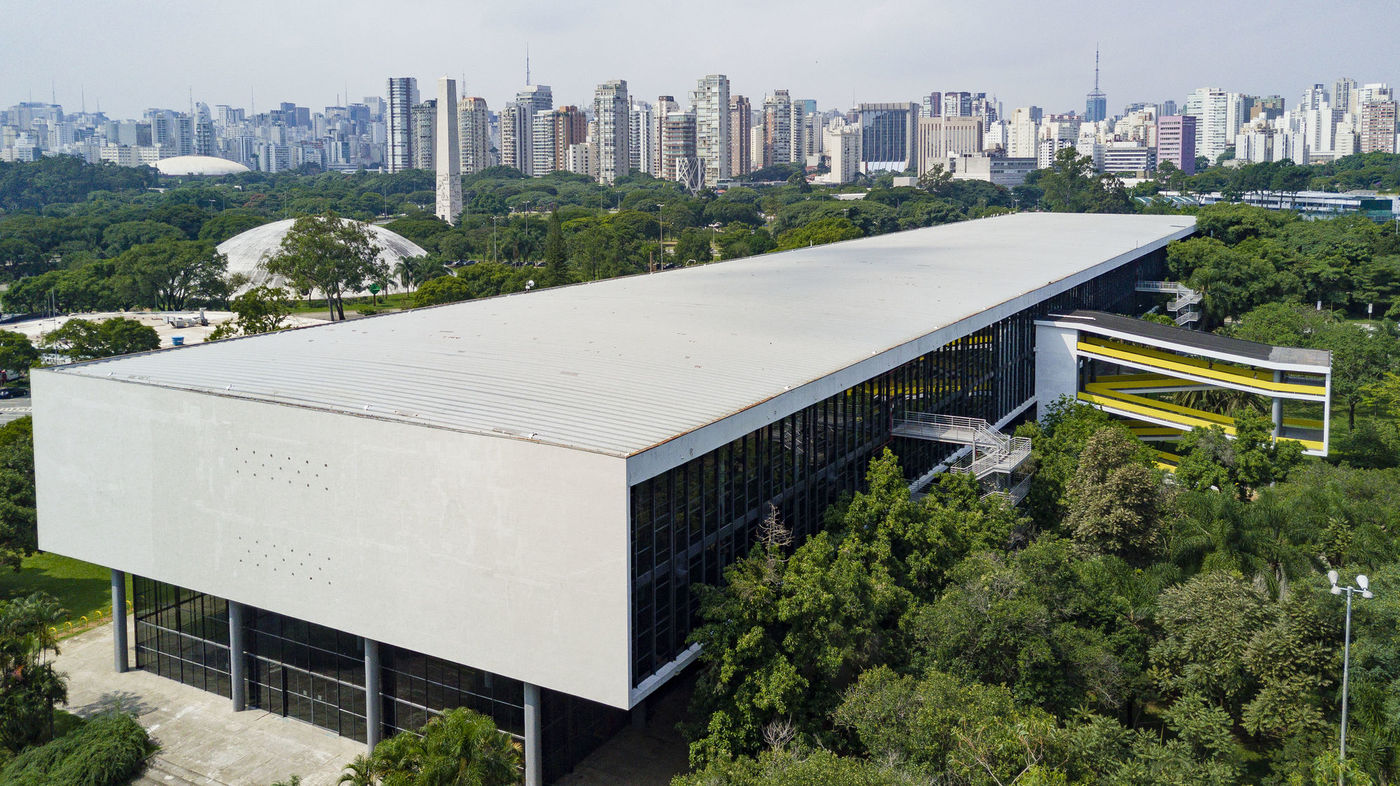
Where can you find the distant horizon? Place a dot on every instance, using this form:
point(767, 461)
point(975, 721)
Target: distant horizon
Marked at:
point(316, 52)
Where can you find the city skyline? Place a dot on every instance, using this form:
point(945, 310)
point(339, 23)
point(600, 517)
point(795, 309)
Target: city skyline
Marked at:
point(1012, 61)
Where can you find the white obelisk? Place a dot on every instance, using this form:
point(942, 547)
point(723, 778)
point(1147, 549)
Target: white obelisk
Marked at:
point(449, 167)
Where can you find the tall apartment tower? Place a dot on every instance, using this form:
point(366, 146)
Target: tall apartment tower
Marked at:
point(1211, 108)
point(543, 159)
point(1314, 98)
point(957, 104)
point(740, 121)
point(449, 164)
point(517, 126)
point(797, 137)
point(473, 134)
point(641, 137)
point(403, 95)
point(777, 128)
point(678, 158)
point(570, 128)
point(1377, 127)
point(1176, 141)
point(665, 105)
point(424, 136)
point(610, 113)
point(1342, 92)
point(711, 101)
point(933, 104)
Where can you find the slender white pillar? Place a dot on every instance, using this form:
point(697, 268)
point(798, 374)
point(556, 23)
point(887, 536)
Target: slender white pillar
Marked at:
point(237, 657)
point(534, 755)
point(374, 702)
point(119, 645)
point(1278, 409)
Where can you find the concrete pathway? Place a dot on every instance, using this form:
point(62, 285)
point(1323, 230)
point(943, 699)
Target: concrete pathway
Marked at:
point(202, 740)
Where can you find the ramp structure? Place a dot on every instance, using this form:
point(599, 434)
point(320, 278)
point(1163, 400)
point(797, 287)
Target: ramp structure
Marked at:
point(1167, 380)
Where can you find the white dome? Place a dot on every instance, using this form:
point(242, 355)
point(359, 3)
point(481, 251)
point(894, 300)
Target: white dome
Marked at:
point(199, 165)
point(247, 250)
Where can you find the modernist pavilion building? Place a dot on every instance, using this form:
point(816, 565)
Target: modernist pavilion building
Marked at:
point(505, 504)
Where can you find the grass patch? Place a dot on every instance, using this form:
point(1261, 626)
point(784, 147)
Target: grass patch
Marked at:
point(83, 589)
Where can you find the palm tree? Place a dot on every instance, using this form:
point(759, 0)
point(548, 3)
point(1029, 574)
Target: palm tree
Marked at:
point(359, 772)
point(1213, 532)
point(404, 270)
point(458, 748)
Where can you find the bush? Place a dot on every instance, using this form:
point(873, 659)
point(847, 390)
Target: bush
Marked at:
point(107, 750)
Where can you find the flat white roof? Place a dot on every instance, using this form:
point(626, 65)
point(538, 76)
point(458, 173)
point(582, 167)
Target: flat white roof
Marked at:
point(622, 365)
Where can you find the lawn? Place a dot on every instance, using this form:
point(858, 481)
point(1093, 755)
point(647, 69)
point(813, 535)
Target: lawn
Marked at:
point(85, 590)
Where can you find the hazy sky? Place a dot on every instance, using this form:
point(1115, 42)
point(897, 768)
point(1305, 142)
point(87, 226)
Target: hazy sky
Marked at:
point(131, 55)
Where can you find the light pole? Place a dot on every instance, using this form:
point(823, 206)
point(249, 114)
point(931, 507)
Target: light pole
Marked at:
point(1363, 588)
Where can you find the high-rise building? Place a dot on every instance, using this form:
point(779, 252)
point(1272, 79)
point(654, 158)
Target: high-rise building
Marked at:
point(424, 144)
point(570, 128)
point(1342, 91)
point(777, 128)
point(887, 134)
point(1314, 98)
point(449, 164)
point(843, 146)
point(403, 96)
point(543, 147)
point(711, 101)
point(1377, 128)
point(1176, 141)
point(515, 137)
point(474, 134)
point(740, 138)
point(665, 105)
point(957, 104)
point(940, 137)
point(641, 137)
point(1266, 108)
point(678, 159)
point(1096, 103)
point(798, 126)
point(933, 104)
point(1210, 106)
point(611, 142)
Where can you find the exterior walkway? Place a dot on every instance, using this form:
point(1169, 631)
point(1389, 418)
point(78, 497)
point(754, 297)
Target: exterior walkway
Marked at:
point(202, 740)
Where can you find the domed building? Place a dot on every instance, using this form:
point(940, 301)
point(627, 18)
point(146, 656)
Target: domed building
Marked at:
point(247, 251)
point(195, 166)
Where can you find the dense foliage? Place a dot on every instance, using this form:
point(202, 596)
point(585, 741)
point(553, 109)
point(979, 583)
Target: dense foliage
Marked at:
point(29, 683)
point(19, 528)
point(106, 750)
point(457, 748)
point(1124, 630)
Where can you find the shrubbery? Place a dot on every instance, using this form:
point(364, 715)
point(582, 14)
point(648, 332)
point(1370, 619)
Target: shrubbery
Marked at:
point(108, 749)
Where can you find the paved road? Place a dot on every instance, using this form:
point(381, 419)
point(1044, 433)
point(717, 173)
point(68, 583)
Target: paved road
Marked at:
point(9, 412)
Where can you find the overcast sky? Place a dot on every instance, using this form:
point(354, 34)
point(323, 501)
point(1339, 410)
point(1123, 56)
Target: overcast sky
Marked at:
point(132, 55)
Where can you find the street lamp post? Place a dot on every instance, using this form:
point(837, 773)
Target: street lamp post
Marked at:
point(1362, 588)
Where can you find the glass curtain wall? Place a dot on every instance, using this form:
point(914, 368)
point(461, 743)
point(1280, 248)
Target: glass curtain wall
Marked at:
point(181, 635)
point(689, 522)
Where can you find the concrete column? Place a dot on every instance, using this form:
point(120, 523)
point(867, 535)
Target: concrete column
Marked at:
point(374, 703)
point(534, 754)
point(237, 656)
point(1278, 408)
point(119, 648)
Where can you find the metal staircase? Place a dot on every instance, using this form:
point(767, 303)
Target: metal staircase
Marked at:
point(992, 452)
point(1185, 301)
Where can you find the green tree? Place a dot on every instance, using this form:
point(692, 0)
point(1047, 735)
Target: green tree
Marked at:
point(80, 339)
point(261, 309)
point(695, 246)
point(1115, 499)
point(17, 353)
point(1249, 461)
point(444, 289)
point(329, 254)
point(19, 531)
point(168, 273)
point(29, 683)
point(819, 232)
point(556, 254)
point(457, 748)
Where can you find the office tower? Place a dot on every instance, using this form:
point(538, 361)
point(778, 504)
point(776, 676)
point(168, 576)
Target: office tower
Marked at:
point(1314, 98)
point(641, 137)
point(1266, 108)
point(474, 134)
point(1210, 107)
point(449, 163)
point(1096, 103)
point(678, 159)
point(402, 96)
point(517, 126)
point(570, 128)
point(1176, 141)
point(887, 135)
point(988, 109)
point(1377, 127)
point(665, 105)
point(711, 101)
point(940, 137)
point(957, 104)
point(933, 104)
point(610, 113)
point(424, 144)
point(740, 138)
point(777, 128)
point(542, 142)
